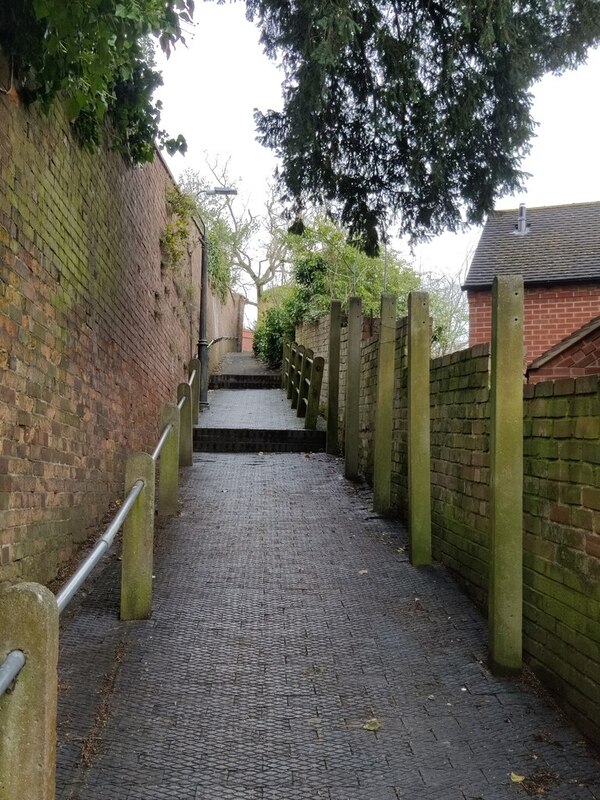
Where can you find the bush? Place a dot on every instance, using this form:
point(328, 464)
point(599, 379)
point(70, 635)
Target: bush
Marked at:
point(276, 327)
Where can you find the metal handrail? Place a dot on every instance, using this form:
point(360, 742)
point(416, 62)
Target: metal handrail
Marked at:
point(10, 668)
point(163, 438)
point(66, 594)
point(15, 660)
point(220, 339)
point(192, 377)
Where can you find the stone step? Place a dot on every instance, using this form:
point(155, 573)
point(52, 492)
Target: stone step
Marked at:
point(266, 440)
point(244, 382)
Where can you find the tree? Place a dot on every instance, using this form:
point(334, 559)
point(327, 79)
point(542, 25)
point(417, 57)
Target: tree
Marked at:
point(249, 250)
point(94, 56)
point(413, 111)
point(449, 311)
point(326, 266)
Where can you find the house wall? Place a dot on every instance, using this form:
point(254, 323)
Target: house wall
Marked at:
point(550, 315)
point(95, 333)
point(579, 360)
point(561, 503)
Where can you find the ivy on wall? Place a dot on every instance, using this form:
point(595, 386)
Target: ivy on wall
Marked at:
point(97, 57)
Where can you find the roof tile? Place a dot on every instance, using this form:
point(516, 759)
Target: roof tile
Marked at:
point(562, 245)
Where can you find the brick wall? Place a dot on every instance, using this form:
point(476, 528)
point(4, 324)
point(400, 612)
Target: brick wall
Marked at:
point(550, 315)
point(95, 333)
point(561, 504)
point(460, 412)
point(580, 360)
point(314, 335)
point(562, 541)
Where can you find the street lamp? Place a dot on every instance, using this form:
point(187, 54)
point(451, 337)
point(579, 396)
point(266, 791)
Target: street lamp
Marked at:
point(203, 340)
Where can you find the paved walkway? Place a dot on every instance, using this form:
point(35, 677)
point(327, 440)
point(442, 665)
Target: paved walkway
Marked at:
point(244, 364)
point(294, 654)
point(250, 408)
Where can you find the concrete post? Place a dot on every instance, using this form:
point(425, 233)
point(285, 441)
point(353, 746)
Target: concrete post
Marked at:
point(382, 459)
point(352, 424)
point(168, 486)
point(285, 365)
point(194, 366)
point(138, 541)
point(333, 371)
point(419, 470)
point(314, 393)
point(292, 367)
point(506, 477)
point(305, 374)
point(186, 431)
point(298, 372)
point(29, 617)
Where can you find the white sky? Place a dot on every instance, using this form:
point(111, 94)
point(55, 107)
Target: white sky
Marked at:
point(212, 87)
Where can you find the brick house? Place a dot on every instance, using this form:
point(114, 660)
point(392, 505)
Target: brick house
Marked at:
point(557, 251)
point(575, 356)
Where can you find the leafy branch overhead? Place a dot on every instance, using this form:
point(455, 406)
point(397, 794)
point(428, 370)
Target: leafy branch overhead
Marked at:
point(414, 111)
point(97, 57)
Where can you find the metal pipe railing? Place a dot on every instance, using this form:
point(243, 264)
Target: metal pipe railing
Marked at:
point(66, 594)
point(181, 403)
point(192, 377)
point(161, 442)
point(10, 668)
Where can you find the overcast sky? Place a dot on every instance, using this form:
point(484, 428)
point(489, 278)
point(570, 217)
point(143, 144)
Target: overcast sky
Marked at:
point(212, 87)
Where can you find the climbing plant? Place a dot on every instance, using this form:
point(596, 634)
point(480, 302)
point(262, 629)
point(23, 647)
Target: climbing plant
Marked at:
point(94, 55)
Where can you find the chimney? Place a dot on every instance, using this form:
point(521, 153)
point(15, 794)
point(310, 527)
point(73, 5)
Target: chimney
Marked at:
point(522, 227)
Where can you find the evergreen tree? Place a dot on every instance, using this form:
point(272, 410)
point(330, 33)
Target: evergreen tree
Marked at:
point(417, 110)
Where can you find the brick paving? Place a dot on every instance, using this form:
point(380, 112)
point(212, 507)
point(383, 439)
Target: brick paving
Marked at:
point(286, 615)
point(252, 408)
point(244, 364)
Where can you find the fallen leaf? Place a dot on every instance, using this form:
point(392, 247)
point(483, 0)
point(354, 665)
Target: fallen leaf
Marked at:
point(516, 778)
point(371, 724)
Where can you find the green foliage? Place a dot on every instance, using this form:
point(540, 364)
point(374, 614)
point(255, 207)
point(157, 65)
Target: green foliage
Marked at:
point(327, 266)
point(275, 328)
point(418, 110)
point(94, 55)
point(174, 240)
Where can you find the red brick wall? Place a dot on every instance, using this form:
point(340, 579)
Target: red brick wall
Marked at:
point(550, 315)
point(579, 360)
point(95, 333)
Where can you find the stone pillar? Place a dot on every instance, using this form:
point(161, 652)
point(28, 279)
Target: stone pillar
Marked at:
point(29, 617)
point(419, 469)
point(352, 424)
point(138, 541)
point(333, 368)
point(506, 477)
point(382, 460)
point(168, 486)
point(186, 430)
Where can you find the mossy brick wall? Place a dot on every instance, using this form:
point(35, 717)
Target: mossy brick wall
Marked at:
point(95, 333)
point(369, 359)
point(399, 488)
point(315, 335)
point(562, 541)
point(460, 410)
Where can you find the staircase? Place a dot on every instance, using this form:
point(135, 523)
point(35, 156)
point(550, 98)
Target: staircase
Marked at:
point(249, 413)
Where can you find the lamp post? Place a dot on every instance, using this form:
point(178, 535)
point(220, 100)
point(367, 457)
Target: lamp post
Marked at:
point(203, 338)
